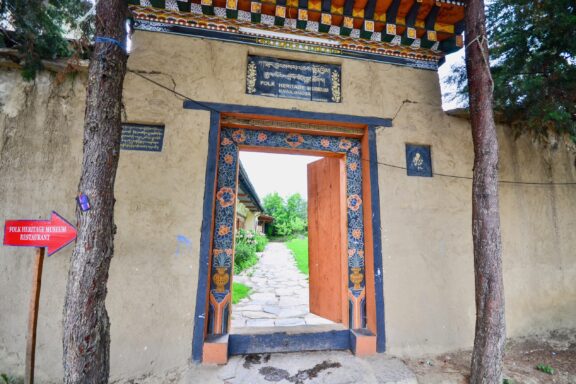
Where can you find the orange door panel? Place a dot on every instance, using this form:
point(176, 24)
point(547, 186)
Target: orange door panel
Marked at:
point(326, 238)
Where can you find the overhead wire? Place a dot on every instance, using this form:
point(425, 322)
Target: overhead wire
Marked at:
point(207, 107)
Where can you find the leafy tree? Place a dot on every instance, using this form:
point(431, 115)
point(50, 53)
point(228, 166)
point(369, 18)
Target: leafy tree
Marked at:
point(298, 206)
point(290, 216)
point(533, 56)
point(40, 29)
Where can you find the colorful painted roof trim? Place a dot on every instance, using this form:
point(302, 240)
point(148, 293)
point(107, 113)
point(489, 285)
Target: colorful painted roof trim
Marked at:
point(422, 33)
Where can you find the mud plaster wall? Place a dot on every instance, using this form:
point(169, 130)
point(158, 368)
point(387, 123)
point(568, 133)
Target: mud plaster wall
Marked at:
point(427, 247)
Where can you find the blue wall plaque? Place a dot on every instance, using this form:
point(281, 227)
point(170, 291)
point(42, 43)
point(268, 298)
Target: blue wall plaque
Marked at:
point(418, 160)
point(267, 76)
point(140, 137)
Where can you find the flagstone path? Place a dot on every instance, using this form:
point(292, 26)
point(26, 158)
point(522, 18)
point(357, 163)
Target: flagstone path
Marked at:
point(279, 295)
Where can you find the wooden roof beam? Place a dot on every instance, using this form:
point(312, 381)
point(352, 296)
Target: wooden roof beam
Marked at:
point(409, 34)
point(326, 16)
point(302, 17)
point(348, 7)
point(369, 10)
point(348, 19)
point(411, 16)
point(389, 32)
point(459, 27)
point(431, 18)
point(368, 25)
point(392, 12)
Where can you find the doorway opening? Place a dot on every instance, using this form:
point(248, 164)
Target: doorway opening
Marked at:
point(282, 207)
point(343, 271)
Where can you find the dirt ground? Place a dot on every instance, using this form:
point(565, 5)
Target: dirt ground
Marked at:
point(556, 349)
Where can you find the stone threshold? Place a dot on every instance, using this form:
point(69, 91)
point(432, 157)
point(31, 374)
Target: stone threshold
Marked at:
point(288, 330)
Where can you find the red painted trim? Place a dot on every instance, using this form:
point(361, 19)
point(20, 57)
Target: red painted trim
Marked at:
point(368, 237)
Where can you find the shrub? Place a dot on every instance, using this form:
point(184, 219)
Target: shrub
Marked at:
point(261, 242)
point(244, 257)
point(247, 244)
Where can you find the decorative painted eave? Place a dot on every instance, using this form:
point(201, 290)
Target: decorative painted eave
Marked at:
point(419, 31)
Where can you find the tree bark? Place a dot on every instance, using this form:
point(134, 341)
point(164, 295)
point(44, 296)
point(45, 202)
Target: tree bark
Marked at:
point(86, 338)
point(490, 331)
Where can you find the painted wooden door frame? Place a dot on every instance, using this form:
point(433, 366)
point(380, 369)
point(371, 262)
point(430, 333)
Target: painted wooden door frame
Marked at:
point(371, 214)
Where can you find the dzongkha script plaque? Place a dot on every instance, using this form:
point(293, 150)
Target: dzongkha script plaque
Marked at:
point(139, 137)
point(267, 76)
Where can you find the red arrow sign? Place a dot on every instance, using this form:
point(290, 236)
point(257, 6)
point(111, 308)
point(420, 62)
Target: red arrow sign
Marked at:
point(54, 234)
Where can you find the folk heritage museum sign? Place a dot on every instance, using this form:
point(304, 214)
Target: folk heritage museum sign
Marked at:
point(267, 76)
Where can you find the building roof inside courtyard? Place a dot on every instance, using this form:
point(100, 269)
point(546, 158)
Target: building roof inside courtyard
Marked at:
point(246, 193)
point(416, 29)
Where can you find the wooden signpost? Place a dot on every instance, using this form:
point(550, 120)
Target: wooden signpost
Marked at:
point(53, 234)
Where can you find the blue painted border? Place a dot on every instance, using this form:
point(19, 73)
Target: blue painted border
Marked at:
point(284, 342)
point(205, 238)
point(292, 113)
point(377, 242)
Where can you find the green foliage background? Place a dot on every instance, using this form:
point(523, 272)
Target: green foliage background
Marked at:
point(533, 65)
point(290, 216)
point(45, 30)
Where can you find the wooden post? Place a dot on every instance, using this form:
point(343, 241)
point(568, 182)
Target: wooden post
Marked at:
point(33, 316)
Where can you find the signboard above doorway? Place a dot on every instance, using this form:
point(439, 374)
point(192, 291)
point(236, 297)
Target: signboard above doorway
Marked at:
point(267, 76)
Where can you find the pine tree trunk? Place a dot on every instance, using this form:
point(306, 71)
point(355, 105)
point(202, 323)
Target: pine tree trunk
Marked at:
point(86, 325)
point(490, 323)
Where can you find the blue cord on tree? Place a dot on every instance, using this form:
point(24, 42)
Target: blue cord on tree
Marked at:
point(102, 39)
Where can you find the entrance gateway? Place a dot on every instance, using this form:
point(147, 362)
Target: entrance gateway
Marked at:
point(346, 282)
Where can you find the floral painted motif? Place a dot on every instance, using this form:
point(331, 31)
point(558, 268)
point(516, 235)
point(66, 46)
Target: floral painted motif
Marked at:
point(345, 144)
point(357, 233)
point(223, 230)
point(294, 140)
point(226, 197)
point(325, 143)
point(239, 136)
point(226, 141)
point(355, 150)
point(251, 76)
point(262, 137)
point(353, 166)
point(356, 260)
point(221, 258)
point(229, 159)
point(354, 202)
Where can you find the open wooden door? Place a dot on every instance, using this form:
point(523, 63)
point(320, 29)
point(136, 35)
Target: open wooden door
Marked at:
point(327, 239)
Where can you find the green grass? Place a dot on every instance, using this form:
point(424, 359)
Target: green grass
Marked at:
point(239, 291)
point(545, 368)
point(299, 248)
point(7, 379)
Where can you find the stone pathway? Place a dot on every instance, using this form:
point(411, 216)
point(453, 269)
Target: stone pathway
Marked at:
point(279, 295)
